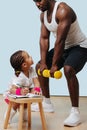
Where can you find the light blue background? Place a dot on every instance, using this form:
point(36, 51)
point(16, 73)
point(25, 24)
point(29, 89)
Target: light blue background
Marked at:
point(20, 29)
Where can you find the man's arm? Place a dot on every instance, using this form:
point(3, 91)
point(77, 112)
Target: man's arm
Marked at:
point(44, 43)
point(65, 17)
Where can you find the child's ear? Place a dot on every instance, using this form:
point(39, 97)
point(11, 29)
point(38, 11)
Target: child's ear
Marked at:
point(24, 64)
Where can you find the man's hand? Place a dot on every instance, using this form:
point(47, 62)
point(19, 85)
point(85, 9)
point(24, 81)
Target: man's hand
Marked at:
point(42, 67)
point(53, 69)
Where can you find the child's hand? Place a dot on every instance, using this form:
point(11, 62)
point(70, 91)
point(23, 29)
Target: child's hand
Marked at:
point(38, 93)
point(24, 91)
point(36, 90)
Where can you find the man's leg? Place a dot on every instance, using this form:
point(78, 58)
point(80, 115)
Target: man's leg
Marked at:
point(74, 63)
point(44, 83)
point(73, 86)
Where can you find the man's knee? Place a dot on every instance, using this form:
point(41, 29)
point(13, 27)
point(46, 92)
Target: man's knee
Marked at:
point(69, 71)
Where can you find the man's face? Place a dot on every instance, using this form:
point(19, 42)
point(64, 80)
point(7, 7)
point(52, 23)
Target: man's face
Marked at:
point(42, 4)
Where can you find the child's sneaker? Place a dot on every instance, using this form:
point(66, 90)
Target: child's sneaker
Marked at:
point(46, 107)
point(74, 118)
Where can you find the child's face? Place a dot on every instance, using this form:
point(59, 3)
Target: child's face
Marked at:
point(27, 59)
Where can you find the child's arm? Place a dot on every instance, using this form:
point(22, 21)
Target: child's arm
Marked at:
point(36, 82)
point(36, 89)
point(19, 91)
point(13, 89)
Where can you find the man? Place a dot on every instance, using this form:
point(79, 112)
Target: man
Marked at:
point(69, 52)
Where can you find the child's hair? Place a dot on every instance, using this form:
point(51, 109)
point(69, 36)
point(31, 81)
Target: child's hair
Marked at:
point(16, 61)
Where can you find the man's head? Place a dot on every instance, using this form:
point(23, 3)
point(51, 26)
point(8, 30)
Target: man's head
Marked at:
point(42, 5)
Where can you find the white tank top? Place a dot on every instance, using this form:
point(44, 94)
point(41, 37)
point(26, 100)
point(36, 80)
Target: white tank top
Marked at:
point(75, 35)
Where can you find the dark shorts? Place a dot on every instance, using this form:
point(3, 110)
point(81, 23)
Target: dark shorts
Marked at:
point(75, 57)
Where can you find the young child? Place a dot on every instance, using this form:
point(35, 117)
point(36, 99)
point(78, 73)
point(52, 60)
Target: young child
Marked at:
point(24, 81)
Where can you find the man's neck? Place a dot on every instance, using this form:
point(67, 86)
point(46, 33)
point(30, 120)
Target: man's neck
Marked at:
point(51, 6)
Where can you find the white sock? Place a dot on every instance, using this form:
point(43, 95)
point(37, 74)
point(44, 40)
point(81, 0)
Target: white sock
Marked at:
point(75, 109)
point(13, 112)
point(46, 100)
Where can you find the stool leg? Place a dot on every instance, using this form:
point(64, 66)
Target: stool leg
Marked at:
point(7, 115)
point(21, 116)
point(29, 114)
point(42, 116)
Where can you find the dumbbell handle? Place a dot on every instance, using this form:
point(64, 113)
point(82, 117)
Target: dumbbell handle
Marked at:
point(46, 73)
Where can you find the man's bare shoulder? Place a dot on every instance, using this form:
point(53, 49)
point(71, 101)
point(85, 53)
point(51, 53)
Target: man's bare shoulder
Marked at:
point(64, 11)
point(64, 5)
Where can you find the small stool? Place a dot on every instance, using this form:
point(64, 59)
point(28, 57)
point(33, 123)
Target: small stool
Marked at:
point(23, 101)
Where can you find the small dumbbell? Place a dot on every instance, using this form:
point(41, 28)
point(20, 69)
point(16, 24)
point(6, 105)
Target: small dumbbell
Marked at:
point(46, 73)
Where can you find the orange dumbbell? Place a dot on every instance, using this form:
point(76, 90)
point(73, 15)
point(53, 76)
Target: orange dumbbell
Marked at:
point(46, 73)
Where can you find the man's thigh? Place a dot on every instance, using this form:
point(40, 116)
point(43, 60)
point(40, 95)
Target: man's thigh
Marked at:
point(77, 57)
point(50, 58)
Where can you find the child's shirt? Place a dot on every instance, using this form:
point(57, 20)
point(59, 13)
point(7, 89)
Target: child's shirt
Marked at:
point(22, 80)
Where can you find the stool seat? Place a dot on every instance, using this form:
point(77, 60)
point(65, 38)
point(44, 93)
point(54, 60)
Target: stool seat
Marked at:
point(23, 101)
